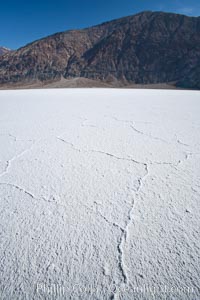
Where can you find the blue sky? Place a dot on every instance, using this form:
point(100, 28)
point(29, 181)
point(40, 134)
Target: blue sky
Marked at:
point(23, 21)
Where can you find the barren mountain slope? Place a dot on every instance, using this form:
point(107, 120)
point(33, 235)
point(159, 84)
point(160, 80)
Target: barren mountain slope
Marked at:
point(150, 47)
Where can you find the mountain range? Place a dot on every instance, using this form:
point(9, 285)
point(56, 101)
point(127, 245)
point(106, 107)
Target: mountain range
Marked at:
point(146, 48)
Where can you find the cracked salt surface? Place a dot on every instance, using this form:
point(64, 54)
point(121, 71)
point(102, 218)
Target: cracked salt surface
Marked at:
point(99, 194)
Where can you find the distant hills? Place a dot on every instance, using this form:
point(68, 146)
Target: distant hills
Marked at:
point(147, 48)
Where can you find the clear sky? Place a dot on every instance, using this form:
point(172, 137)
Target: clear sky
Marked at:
point(23, 21)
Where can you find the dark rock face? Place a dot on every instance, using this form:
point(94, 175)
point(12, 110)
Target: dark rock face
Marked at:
point(150, 47)
point(4, 50)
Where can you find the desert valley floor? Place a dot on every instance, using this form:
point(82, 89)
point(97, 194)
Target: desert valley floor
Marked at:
point(99, 194)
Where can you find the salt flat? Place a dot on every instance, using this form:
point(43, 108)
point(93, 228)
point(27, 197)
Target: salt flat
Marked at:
point(99, 194)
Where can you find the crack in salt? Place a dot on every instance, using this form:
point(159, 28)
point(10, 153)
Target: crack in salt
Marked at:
point(126, 230)
point(181, 143)
point(100, 152)
point(31, 195)
point(123, 239)
point(9, 162)
point(133, 127)
point(98, 213)
point(19, 188)
point(149, 135)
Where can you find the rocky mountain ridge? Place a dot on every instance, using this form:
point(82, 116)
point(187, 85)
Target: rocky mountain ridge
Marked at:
point(147, 48)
